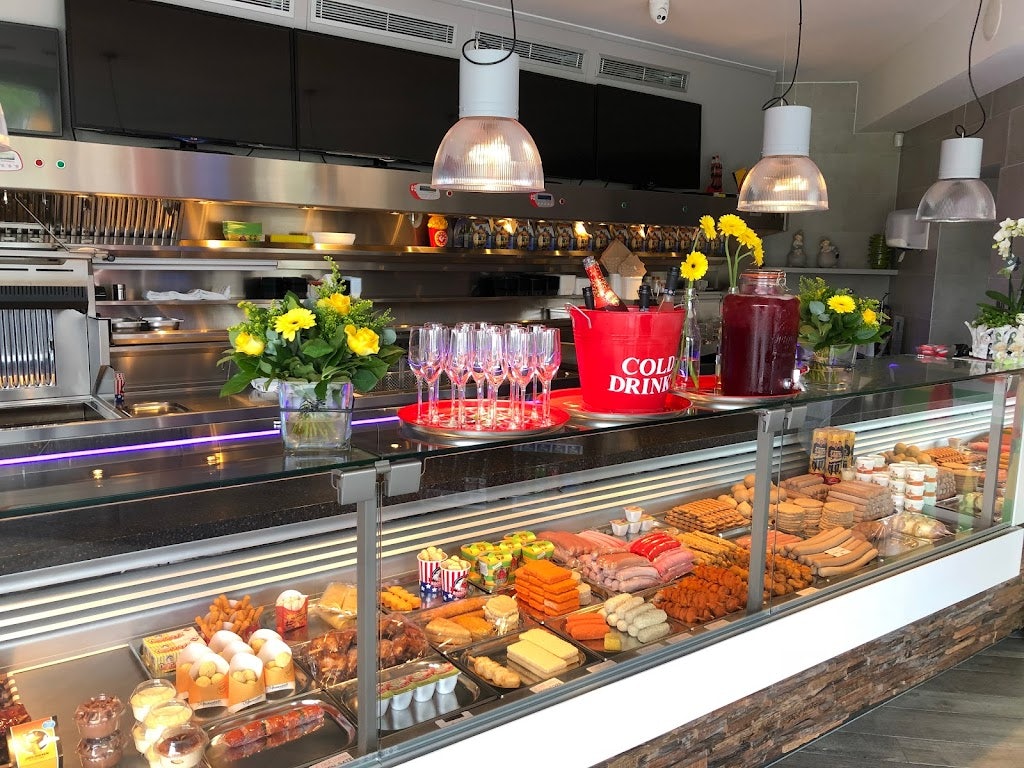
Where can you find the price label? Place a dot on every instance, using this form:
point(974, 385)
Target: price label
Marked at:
point(333, 761)
point(807, 591)
point(678, 638)
point(602, 666)
point(446, 723)
point(837, 551)
point(546, 685)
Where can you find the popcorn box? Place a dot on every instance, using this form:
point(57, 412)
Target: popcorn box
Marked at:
point(209, 682)
point(222, 639)
point(261, 637)
point(188, 656)
point(245, 682)
point(291, 611)
point(278, 667)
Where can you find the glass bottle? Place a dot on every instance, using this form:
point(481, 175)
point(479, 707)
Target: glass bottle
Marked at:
point(668, 296)
point(760, 323)
point(687, 376)
point(604, 297)
point(645, 297)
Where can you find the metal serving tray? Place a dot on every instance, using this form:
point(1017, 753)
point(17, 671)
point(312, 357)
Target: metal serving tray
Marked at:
point(558, 623)
point(335, 735)
point(497, 650)
point(469, 692)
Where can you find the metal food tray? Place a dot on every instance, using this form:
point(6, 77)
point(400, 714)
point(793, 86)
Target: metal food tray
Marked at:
point(335, 735)
point(497, 651)
point(329, 677)
point(303, 685)
point(557, 625)
point(602, 593)
point(469, 691)
point(428, 600)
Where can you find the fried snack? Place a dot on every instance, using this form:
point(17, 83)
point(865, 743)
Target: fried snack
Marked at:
point(238, 616)
point(399, 599)
point(492, 671)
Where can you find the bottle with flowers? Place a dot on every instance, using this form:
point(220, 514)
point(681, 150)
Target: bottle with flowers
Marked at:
point(319, 351)
point(693, 268)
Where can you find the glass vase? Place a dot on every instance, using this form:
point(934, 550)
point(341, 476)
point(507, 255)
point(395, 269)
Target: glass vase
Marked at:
point(310, 423)
point(687, 373)
point(759, 332)
point(832, 368)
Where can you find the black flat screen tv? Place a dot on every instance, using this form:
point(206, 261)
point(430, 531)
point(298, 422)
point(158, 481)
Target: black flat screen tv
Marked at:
point(30, 79)
point(647, 141)
point(363, 99)
point(150, 69)
point(559, 114)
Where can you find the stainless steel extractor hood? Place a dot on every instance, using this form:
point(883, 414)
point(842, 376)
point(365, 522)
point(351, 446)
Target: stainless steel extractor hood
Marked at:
point(54, 165)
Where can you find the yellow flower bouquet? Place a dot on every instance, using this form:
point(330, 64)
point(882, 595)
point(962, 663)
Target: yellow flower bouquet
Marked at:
point(741, 242)
point(835, 317)
point(328, 339)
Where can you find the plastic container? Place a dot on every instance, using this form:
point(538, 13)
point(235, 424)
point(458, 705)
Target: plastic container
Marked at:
point(101, 753)
point(148, 694)
point(333, 238)
point(170, 714)
point(181, 747)
point(99, 717)
point(759, 334)
point(626, 360)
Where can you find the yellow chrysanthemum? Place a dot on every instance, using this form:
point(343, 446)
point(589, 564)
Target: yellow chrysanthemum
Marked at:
point(842, 305)
point(248, 344)
point(731, 225)
point(362, 341)
point(758, 252)
point(707, 226)
point(870, 317)
point(293, 321)
point(338, 302)
point(695, 266)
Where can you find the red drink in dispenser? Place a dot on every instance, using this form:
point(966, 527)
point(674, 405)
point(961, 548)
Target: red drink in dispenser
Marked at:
point(759, 334)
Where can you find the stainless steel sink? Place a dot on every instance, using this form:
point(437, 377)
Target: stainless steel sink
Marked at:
point(156, 408)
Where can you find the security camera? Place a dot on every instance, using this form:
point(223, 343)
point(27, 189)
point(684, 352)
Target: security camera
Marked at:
point(659, 10)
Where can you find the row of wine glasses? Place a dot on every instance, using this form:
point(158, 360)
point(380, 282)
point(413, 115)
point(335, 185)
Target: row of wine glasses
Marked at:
point(489, 355)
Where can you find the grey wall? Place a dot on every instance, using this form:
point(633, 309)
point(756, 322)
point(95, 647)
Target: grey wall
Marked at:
point(937, 290)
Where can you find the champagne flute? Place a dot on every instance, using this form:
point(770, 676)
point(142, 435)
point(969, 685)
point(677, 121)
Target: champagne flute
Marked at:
point(460, 365)
point(415, 360)
point(495, 369)
point(434, 342)
point(549, 357)
point(478, 368)
point(521, 365)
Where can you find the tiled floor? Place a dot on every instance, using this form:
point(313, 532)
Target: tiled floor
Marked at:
point(971, 716)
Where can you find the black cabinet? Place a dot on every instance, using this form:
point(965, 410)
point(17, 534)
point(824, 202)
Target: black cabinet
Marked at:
point(359, 98)
point(559, 114)
point(648, 141)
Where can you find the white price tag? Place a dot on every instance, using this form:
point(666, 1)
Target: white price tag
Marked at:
point(717, 624)
point(837, 551)
point(446, 723)
point(678, 638)
point(807, 591)
point(333, 761)
point(608, 664)
point(546, 685)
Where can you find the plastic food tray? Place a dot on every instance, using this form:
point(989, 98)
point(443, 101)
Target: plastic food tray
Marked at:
point(557, 625)
point(469, 691)
point(496, 650)
point(304, 747)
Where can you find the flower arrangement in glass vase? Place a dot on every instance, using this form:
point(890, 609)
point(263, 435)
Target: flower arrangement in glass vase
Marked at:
point(834, 322)
point(997, 331)
point(741, 243)
point(319, 350)
point(693, 268)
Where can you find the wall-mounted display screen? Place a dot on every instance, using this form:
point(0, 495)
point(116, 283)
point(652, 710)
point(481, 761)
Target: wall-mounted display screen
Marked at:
point(648, 141)
point(559, 114)
point(151, 69)
point(30, 79)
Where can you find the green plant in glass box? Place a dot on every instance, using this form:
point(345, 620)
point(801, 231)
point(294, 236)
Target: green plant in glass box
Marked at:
point(318, 350)
point(834, 322)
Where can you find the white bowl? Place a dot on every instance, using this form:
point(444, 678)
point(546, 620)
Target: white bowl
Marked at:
point(382, 706)
point(333, 238)
point(424, 692)
point(401, 700)
point(447, 684)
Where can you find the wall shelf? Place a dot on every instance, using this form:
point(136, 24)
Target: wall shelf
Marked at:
point(836, 271)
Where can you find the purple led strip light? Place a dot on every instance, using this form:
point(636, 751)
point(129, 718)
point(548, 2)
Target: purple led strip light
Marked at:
point(164, 444)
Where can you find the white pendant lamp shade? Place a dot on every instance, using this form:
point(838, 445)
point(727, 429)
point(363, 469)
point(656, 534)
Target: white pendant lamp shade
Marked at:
point(5, 140)
point(488, 150)
point(959, 194)
point(785, 180)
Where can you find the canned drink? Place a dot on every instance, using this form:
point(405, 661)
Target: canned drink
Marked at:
point(119, 292)
point(819, 449)
point(835, 456)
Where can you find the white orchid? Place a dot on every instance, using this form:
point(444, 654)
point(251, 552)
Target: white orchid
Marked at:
point(1008, 229)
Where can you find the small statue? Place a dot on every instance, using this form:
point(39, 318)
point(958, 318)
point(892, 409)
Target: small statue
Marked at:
point(796, 256)
point(828, 254)
point(715, 187)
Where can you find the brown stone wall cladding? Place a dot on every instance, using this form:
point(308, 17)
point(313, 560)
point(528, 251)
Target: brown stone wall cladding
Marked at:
point(773, 722)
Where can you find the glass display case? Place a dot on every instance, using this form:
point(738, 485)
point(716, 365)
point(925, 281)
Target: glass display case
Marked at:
point(608, 559)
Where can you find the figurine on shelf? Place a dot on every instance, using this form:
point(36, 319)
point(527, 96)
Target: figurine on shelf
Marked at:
point(715, 187)
point(797, 257)
point(828, 254)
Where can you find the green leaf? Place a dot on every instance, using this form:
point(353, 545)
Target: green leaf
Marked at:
point(236, 384)
point(816, 307)
point(316, 348)
point(364, 380)
point(865, 333)
point(1002, 298)
point(387, 336)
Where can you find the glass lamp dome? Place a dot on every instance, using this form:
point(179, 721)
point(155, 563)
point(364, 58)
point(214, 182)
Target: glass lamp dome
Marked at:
point(959, 194)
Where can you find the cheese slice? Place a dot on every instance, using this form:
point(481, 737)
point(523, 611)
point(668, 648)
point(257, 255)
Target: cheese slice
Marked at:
point(534, 658)
point(556, 646)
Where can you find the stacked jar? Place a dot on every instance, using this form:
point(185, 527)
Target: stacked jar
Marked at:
point(157, 712)
point(99, 723)
point(898, 485)
point(915, 488)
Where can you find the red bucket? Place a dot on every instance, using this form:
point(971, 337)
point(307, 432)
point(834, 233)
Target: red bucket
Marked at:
point(626, 360)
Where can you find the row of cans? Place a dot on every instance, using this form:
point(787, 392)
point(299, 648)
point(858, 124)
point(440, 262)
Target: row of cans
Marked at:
point(831, 453)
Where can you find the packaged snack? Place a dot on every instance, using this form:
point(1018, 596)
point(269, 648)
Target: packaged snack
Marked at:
point(290, 611)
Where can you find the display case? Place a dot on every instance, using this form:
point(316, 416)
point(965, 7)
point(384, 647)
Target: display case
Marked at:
point(112, 539)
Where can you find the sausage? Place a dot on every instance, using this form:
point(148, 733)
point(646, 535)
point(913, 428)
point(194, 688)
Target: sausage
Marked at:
point(864, 559)
point(819, 543)
point(855, 553)
point(274, 724)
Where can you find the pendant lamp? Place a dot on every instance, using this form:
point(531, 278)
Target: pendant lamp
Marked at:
point(785, 179)
point(488, 149)
point(5, 139)
point(960, 194)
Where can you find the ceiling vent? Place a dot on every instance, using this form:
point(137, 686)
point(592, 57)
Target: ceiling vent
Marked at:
point(279, 7)
point(380, 20)
point(644, 73)
point(539, 52)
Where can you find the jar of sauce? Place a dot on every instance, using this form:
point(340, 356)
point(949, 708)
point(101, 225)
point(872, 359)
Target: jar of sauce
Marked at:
point(760, 323)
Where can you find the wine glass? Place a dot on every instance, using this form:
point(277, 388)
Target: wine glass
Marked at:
point(431, 351)
point(478, 368)
point(495, 369)
point(548, 348)
point(522, 363)
point(459, 366)
point(414, 358)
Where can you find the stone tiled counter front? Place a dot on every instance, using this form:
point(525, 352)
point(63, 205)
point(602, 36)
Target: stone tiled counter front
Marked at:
point(761, 728)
